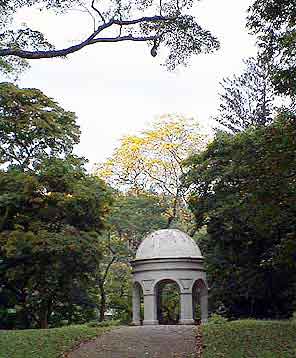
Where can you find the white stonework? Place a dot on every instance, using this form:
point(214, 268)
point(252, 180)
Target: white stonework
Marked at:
point(169, 255)
point(167, 243)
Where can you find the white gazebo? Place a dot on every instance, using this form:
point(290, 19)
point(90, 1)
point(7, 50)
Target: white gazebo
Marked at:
point(169, 256)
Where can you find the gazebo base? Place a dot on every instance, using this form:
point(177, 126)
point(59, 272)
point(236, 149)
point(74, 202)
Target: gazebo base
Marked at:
point(186, 321)
point(136, 323)
point(150, 323)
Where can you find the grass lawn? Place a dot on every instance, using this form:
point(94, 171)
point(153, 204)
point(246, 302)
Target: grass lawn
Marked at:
point(250, 339)
point(44, 343)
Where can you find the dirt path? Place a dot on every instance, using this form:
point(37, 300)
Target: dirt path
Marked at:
point(142, 342)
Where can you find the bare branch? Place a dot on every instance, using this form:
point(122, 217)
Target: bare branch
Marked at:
point(144, 19)
point(123, 38)
point(53, 53)
point(108, 268)
point(88, 12)
point(160, 182)
point(174, 214)
point(91, 15)
point(97, 11)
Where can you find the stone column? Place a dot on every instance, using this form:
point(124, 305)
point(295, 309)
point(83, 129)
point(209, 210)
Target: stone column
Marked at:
point(194, 304)
point(204, 305)
point(150, 317)
point(136, 306)
point(158, 307)
point(186, 308)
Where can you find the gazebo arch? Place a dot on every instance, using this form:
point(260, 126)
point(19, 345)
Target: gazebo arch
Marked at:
point(169, 255)
point(200, 299)
point(137, 294)
point(159, 288)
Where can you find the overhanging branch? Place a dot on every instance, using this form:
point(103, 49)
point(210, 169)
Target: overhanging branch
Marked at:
point(92, 39)
point(123, 38)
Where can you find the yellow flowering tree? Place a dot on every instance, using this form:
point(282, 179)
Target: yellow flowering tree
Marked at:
point(151, 161)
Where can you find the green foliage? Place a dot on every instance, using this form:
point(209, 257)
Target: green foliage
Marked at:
point(246, 100)
point(134, 215)
point(59, 194)
point(293, 318)
point(250, 338)
point(13, 67)
point(110, 323)
point(46, 343)
point(169, 308)
point(51, 214)
point(33, 127)
point(50, 241)
point(243, 189)
point(119, 290)
point(215, 318)
point(274, 23)
point(110, 288)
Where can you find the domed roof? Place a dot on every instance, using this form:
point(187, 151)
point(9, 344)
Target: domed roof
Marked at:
point(167, 243)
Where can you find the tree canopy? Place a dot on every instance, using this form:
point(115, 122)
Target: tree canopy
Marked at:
point(152, 161)
point(33, 127)
point(135, 215)
point(50, 225)
point(273, 21)
point(246, 100)
point(243, 190)
point(162, 24)
point(51, 211)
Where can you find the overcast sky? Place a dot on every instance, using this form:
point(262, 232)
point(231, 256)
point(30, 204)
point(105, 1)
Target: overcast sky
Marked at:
point(116, 89)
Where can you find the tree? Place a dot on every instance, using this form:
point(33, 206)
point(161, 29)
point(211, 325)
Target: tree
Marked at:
point(33, 127)
point(243, 189)
point(114, 250)
point(117, 21)
point(273, 21)
point(50, 244)
point(51, 211)
point(119, 291)
point(152, 161)
point(246, 100)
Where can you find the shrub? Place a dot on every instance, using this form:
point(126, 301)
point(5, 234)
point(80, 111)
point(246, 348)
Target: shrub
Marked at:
point(104, 323)
point(217, 319)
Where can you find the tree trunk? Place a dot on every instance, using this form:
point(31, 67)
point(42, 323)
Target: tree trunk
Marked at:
point(43, 318)
point(103, 303)
point(45, 314)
